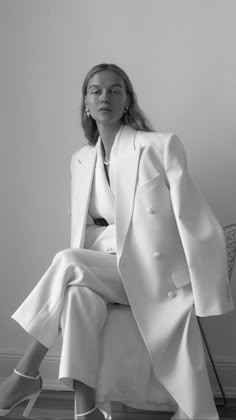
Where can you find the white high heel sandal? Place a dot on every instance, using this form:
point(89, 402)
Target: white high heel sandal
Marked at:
point(106, 415)
point(32, 397)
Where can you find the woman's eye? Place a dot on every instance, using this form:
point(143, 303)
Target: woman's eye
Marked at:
point(95, 92)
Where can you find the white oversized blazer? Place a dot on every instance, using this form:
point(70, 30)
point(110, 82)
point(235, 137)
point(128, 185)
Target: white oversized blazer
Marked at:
point(170, 248)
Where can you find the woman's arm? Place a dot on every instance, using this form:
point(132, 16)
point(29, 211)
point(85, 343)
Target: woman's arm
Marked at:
point(201, 235)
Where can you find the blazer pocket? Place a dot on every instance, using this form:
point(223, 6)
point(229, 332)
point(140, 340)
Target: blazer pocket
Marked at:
point(149, 185)
point(181, 277)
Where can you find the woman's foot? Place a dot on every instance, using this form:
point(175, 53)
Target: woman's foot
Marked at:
point(15, 388)
point(95, 415)
point(85, 403)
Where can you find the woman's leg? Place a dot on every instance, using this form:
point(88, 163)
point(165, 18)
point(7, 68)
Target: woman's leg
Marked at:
point(85, 402)
point(40, 313)
point(31, 360)
point(16, 387)
point(82, 318)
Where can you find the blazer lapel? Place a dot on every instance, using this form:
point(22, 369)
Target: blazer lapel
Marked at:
point(82, 176)
point(126, 179)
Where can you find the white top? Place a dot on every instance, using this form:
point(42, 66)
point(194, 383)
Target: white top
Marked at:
point(102, 202)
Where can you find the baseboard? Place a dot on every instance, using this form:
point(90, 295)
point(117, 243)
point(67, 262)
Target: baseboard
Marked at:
point(49, 370)
point(226, 370)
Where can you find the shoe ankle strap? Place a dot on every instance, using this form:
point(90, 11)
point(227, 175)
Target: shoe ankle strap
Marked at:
point(87, 412)
point(26, 376)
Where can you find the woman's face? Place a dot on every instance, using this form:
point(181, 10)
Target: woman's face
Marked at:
point(106, 97)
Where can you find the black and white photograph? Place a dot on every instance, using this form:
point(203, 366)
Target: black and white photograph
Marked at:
point(118, 209)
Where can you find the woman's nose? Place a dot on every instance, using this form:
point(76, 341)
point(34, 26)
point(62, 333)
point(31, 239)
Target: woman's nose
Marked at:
point(104, 97)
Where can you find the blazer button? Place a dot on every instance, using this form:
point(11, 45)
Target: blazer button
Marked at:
point(156, 254)
point(171, 295)
point(150, 210)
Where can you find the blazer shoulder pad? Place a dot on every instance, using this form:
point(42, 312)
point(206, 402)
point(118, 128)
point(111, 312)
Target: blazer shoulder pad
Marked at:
point(154, 139)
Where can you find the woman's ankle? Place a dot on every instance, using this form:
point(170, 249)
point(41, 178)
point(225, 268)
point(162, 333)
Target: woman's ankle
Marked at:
point(84, 398)
point(85, 413)
point(31, 372)
point(31, 360)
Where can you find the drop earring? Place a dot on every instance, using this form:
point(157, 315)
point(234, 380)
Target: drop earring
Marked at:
point(87, 112)
point(126, 109)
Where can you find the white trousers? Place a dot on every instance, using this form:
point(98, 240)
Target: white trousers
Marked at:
point(71, 298)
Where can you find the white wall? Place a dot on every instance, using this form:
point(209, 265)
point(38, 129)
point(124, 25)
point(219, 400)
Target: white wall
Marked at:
point(181, 58)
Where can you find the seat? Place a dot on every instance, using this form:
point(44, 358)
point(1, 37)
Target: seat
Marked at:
point(125, 376)
point(230, 240)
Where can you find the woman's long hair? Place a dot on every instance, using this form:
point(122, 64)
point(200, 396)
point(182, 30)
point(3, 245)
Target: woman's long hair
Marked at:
point(133, 117)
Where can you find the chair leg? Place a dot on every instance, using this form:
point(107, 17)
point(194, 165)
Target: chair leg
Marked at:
point(213, 365)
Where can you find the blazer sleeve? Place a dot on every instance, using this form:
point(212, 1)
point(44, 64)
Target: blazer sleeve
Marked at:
point(201, 235)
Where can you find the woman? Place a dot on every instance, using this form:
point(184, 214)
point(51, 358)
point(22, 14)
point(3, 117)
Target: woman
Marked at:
point(143, 236)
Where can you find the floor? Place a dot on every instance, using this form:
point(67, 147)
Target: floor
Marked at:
point(59, 405)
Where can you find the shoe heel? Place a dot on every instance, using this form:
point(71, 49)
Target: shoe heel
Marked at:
point(30, 405)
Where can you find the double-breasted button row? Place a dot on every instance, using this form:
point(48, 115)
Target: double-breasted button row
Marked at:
point(149, 210)
point(157, 255)
point(110, 249)
point(171, 294)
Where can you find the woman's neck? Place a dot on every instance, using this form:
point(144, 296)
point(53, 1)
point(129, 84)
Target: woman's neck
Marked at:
point(108, 134)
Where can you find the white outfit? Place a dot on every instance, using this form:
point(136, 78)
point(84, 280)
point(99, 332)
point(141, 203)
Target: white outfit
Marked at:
point(102, 204)
point(58, 303)
point(170, 256)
